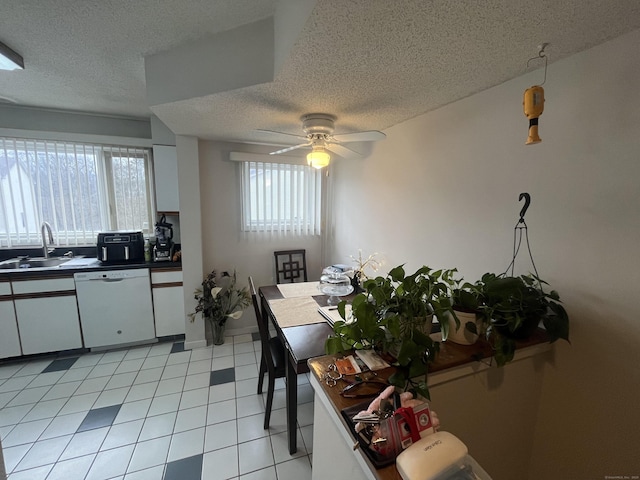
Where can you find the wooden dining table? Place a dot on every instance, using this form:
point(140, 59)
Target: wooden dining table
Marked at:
point(303, 331)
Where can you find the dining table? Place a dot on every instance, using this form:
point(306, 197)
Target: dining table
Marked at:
point(293, 310)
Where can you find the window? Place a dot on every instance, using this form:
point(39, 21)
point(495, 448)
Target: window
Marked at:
point(80, 189)
point(281, 198)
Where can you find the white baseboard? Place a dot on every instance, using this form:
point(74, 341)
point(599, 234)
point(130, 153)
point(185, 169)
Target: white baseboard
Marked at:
point(228, 332)
point(195, 344)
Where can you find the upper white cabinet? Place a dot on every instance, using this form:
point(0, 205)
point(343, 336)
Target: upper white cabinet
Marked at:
point(165, 166)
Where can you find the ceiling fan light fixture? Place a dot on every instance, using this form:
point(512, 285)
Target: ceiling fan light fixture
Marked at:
point(318, 157)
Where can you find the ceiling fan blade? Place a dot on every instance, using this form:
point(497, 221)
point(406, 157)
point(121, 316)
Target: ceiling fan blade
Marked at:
point(368, 136)
point(288, 149)
point(342, 150)
point(272, 132)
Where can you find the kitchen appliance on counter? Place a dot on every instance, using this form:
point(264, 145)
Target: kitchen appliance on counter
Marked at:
point(440, 456)
point(120, 247)
point(163, 249)
point(115, 307)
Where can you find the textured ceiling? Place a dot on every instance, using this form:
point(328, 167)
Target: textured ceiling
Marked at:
point(88, 55)
point(372, 63)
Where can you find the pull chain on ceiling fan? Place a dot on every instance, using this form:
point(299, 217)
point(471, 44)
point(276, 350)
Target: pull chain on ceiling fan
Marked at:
point(318, 129)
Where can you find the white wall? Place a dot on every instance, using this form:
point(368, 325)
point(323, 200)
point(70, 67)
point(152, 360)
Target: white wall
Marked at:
point(187, 149)
point(160, 133)
point(443, 190)
point(224, 246)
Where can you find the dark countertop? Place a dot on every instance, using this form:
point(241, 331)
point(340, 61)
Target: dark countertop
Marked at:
point(93, 264)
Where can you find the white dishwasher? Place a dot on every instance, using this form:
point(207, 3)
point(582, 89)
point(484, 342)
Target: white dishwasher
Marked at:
point(115, 307)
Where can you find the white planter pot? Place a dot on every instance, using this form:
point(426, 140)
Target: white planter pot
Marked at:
point(462, 336)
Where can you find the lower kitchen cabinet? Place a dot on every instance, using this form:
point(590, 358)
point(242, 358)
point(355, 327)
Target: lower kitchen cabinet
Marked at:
point(168, 302)
point(48, 324)
point(47, 314)
point(40, 314)
point(9, 338)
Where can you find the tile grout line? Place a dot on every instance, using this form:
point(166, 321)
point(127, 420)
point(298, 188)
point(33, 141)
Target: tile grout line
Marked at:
point(55, 416)
point(110, 426)
point(135, 445)
point(121, 361)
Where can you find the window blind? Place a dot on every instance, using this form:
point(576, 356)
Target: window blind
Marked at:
point(281, 198)
point(80, 189)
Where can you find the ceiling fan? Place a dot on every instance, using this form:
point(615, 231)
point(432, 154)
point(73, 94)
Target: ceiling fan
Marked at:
point(318, 129)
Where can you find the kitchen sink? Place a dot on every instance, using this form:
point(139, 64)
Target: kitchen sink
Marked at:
point(19, 263)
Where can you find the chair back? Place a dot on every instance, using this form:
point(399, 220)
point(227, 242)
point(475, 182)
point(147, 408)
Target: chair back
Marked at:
point(262, 324)
point(291, 266)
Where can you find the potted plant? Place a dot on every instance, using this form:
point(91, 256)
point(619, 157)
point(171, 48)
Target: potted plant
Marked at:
point(465, 322)
point(513, 307)
point(218, 300)
point(393, 316)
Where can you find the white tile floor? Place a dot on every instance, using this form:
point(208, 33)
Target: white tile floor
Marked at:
point(171, 423)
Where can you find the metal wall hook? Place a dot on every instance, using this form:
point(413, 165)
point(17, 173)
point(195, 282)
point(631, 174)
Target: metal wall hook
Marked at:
point(541, 55)
point(518, 231)
point(527, 202)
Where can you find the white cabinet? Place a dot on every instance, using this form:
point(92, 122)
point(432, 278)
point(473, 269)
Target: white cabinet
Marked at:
point(48, 324)
point(47, 314)
point(165, 170)
point(9, 337)
point(168, 302)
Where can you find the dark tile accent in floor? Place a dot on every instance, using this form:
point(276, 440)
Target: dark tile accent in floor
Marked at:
point(177, 347)
point(255, 336)
point(226, 375)
point(189, 468)
point(60, 365)
point(99, 417)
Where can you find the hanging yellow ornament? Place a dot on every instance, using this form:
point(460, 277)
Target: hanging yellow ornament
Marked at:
point(533, 103)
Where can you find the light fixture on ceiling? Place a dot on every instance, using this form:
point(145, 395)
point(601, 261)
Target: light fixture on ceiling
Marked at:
point(10, 60)
point(318, 157)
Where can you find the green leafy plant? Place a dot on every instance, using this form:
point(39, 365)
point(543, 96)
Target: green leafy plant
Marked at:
point(393, 316)
point(220, 299)
point(466, 297)
point(512, 308)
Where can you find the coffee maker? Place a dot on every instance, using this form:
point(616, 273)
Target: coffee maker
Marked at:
point(163, 249)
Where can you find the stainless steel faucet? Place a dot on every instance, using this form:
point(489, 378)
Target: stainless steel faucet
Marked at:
point(46, 228)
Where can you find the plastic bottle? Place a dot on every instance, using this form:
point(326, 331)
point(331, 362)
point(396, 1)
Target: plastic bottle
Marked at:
point(147, 250)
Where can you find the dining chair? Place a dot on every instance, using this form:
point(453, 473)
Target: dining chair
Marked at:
point(273, 356)
point(291, 266)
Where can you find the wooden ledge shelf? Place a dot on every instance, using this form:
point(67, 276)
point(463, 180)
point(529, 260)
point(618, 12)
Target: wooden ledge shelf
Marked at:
point(452, 363)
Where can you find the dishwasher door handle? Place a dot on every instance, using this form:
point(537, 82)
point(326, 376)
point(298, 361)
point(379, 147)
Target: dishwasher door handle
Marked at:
point(108, 280)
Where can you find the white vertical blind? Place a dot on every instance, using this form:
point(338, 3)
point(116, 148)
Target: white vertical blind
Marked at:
point(72, 186)
point(281, 198)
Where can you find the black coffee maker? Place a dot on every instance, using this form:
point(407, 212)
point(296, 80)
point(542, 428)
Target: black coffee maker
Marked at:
point(163, 250)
